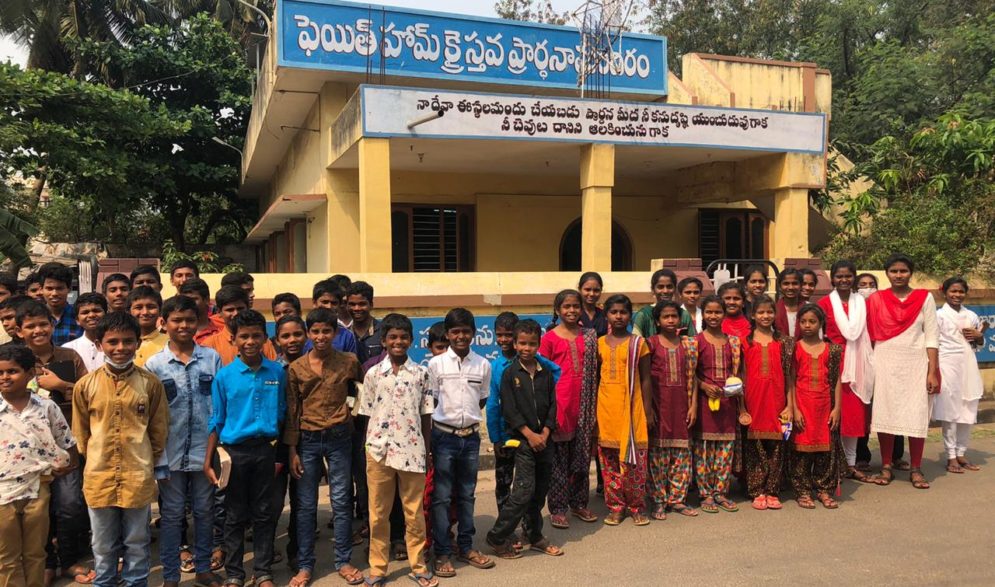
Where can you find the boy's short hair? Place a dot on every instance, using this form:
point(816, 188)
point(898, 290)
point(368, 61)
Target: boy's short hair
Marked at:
point(322, 316)
point(185, 264)
point(395, 321)
point(458, 317)
point(56, 272)
point(239, 278)
point(112, 278)
point(118, 321)
point(506, 321)
point(146, 270)
point(177, 304)
point(286, 298)
point(16, 300)
point(230, 294)
point(343, 281)
point(528, 326)
point(31, 278)
point(196, 286)
point(144, 293)
point(20, 354)
point(287, 320)
point(437, 333)
point(89, 299)
point(662, 273)
point(9, 282)
point(32, 309)
point(327, 286)
point(361, 288)
point(247, 319)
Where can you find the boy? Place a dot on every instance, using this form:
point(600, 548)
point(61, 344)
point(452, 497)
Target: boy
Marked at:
point(285, 304)
point(90, 309)
point(207, 325)
point(8, 318)
point(45, 448)
point(396, 397)
point(249, 404)
point(232, 300)
point(327, 294)
point(459, 381)
point(437, 341)
point(319, 429)
point(115, 288)
point(242, 280)
point(144, 304)
point(120, 419)
point(359, 302)
point(343, 282)
point(183, 271)
point(528, 405)
point(56, 280)
point(147, 275)
point(187, 371)
point(32, 287)
point(8, 286)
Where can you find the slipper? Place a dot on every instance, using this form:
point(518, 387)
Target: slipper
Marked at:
point(726, 504)
point(640, 519)
point(217, 559)
point(955, 468)
point(475, 559)
point(683, 510)
point(353, 577)
point(584, 515)
point(805, 501)
point(295, 582)
point(424, 579)
point(773, 502)
point(614, 519)
point(918, 479)
point(659, 512)
point(375, 581)
point(885, 477)
point(708, 506)
point(441, 572)
point(828, 502)
point(505, 551)
point(967, 465)
point(74, 573)
point(901, 465)
point(760, 502)
point(559, 521)
point(545, 547)
point(187, 565)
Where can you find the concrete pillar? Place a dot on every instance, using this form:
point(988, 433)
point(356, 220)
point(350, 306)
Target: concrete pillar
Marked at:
point(374, 206)
point(789, 228)
point(597, 177)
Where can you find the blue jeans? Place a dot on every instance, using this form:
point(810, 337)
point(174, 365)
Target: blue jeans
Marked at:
point(456, 461)
point(181, 486)
point(111, 527)
point(67, 515)
point(334, 445)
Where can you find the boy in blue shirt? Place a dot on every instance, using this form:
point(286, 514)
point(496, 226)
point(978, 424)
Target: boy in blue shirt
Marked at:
point(249, 405)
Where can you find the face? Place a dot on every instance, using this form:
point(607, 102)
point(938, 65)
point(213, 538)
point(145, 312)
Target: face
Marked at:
point(181, 326)
point(249, 341)
point(569, 310)
point(807, 288)
point(763, 315)
point(591, 292)
point(230, 310)
point(669, 321)
point(89, 316)
point(116, 293)
point(146, 310)
point(734, 302)
point(438, 347)
point(756, 284)
point(119, 345)
point(808, 324)
point(250, 290)
point(397, 342)
point(663, 289)
point(618, 317)
point(35, 291)
point(55, 293)
point(291, 338)
point(36, 331)
point(955, 295)
point(327, 301)
point(8, 320)
point(712, 315)
point(359, 307)
point(284, 309)
point(505, 338)
point(867, 282)
point(5, 293)
point(790, 287)
point(460, 338)
point(200, 301)
point(181, 276)
point(843, 279)
point(13, 377)
point(899, 275)
point(321, 335)
point(527, 345)
point(148, 280)
point(691, 294)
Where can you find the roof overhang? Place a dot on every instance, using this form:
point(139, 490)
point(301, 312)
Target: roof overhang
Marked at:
point(280, 211)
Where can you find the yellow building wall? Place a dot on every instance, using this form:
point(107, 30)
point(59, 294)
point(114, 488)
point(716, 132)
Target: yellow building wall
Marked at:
point(300, 171)
point(317, 233)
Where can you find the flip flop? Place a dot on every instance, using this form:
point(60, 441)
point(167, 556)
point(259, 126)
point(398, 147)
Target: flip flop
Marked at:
point(475, 559)
point(424, 579)
point(545, 547)
point(505, 551)
point(708, 506)
point(773, 502)
point(584, 515)
point(439, 571)
point(760, 502)
point(806, 502)
point(955, 468)
point(683, 510)
point(726, 504)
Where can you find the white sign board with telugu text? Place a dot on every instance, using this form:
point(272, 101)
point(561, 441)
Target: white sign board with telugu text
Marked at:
point(388, 112)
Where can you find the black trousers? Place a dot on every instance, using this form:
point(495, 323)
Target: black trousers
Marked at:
point(361, 494)
point(533, 474)
point(249, 499)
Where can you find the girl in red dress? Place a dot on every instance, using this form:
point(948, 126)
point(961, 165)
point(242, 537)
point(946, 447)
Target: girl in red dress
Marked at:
point(734, 323)
point(789, 283)
point(816, 400)
point(767, 360)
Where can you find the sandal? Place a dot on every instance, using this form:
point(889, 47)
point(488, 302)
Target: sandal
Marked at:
point(74, 573)
point(217, 559)
point(805, 501)
point(301, 579)
point(424, 579)
point(885, 477)
point(760, 502)
point(545, 547)
point(504, 550)
point(351, 574)
point(954, 467)
point(659, 512)
point(967, 465)
point(858, 475)
point(773, 502)
point(375, 581)
point(443, 567)
point(186, 562)
point(901, 465)
point(584, 515)
point(827, 501)
point(614, 518)
point(475, 559)
point(559, 521)
point(683, 510)
point(708, 506)
point(640, 519)
point(918, 479)
point(726, 504)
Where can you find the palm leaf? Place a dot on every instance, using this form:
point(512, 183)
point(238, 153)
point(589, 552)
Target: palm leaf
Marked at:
point(13, 234)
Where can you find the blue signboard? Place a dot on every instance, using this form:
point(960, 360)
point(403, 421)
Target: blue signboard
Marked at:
point(986, 353)
point(361, 38)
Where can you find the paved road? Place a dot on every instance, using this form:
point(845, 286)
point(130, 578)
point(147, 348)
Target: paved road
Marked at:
point(879, 536)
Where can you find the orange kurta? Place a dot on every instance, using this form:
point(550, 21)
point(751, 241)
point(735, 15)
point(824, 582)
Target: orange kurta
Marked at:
point(618, 410)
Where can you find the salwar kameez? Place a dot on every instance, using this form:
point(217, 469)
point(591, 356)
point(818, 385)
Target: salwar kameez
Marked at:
point(766, 367)
point(672, 372)
point(625, 483)
point(956, 406)
point(818, 461)
point(715, 432)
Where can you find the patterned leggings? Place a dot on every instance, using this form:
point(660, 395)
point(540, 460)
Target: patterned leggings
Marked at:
point(813, 469)
point(670, 474)
point(625, 485)
point(571, 477)
point(764, 462)
point(713, 466)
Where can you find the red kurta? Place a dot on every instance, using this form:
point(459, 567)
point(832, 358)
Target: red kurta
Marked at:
point(569, 355)
point(855, 415)
point(715, 365)
point(813, 398)
point(739, 326)
point(668, 369)
point(765, 389)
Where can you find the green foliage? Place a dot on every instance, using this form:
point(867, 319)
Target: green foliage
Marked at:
point(206, 261)
point(529, 10)
point(15, 229)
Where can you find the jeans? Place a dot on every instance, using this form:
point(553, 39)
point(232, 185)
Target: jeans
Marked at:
point(67, 512)
point(175, 492)
point(115, 526)
point(533, 474)
point(333, 445)
point(456, 461)
point(247, 499)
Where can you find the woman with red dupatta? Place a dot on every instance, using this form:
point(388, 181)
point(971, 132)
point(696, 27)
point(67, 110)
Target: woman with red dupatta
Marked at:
point(902, 323)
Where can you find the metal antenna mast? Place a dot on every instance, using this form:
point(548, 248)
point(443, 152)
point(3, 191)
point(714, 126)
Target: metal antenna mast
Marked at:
point(600, 23)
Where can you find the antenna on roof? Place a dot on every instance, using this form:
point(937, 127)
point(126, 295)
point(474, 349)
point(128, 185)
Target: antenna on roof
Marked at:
point(601, 24)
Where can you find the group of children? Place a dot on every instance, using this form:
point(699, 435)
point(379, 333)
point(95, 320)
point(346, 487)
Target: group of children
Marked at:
point(122, 396)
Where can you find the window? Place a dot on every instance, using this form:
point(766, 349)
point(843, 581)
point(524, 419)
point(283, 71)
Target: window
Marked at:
point(570, 245)
point(731, 234)
point(432, 238)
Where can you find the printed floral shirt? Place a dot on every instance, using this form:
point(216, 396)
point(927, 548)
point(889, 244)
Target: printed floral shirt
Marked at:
point(32, 443)
point(395, 404)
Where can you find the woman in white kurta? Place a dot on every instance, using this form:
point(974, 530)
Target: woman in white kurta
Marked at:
point(956, 407)
point(902, 323)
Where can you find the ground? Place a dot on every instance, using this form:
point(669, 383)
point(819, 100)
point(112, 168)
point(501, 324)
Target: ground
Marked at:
point(880, 535)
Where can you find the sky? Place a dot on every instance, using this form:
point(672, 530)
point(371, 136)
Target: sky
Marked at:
point(10, 50)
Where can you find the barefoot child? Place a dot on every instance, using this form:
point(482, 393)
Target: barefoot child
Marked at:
point(767, 360)
point(818, 461)
point(623, 394)
point(673, 360)
point(735, 322)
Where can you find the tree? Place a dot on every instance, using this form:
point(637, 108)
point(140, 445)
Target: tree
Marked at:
point(14, 228)
point(529, 10)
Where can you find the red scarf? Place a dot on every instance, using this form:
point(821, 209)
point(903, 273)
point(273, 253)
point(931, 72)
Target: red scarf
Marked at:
point(888, 316)
point(738, 326)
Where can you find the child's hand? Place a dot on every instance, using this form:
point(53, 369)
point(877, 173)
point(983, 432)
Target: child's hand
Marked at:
point(296, 467)
point(536, 442)
point(50, 381)
point(650, 419)
point(799, 419)
point(834, 419)
point(786, 415)
point(971, 334)
point(745, 419)
point(209, 473)
point(499, 451)
point(692, 417)
point(62, 471)
point(932, 383)
point(712, 391)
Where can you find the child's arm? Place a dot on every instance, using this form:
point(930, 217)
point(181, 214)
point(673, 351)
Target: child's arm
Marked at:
point(693, 406)
point(493, 411)
point(81, 417)
point(291, 427)
point(158, 418)
point(485, 388)
point(834, 416)
point(73, 463)
point(646, 385)
point(550, 424)
point(212, 445)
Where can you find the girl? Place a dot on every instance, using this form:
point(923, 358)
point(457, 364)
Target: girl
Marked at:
point(575, 350)
point(735, 322)
point(961, 387)
point(591, 316)
point(290, 339)
point(902, 323)
point(789, 284)
point(663, 284)
point(673, 360)
point(756, 286)
point(866, 284)
point(846, 325)
point(809, 282)
point(768, 367)
point(816, 403)
point(715, 431)
point(623, 393)
point(690, 290)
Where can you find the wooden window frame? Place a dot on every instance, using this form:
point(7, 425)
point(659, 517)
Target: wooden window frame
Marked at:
point(468, 209)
